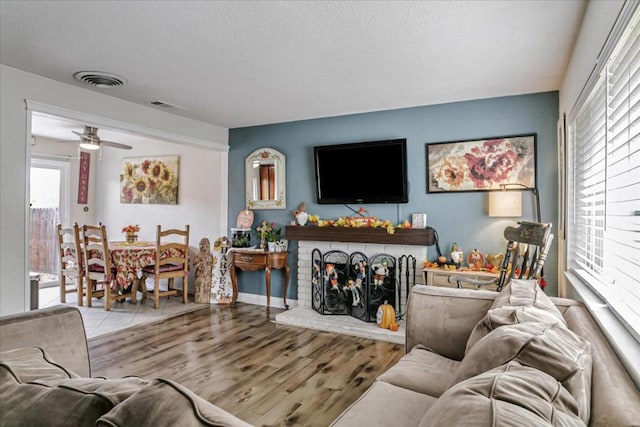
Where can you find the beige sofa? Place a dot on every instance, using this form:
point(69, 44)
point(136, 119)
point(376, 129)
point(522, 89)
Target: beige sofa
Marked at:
point(517, 370)
point(45, 380)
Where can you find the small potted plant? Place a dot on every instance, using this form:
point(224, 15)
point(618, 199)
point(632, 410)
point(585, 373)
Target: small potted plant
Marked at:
point(270, 234)
point(131, 232)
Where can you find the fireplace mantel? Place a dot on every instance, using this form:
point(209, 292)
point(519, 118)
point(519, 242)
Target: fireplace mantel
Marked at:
point(401, 236)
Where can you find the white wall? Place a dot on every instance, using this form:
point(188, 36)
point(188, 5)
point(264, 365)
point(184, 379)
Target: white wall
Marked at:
point(44, 147)
point(17, 86)
point(596, 25)
point(200, 194)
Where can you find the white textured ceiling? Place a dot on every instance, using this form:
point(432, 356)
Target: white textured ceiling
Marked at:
point(242, 63)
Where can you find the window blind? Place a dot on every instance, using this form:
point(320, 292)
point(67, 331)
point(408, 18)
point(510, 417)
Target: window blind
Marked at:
point(604, 179)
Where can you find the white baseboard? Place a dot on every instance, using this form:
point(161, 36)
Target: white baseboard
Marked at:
point(275, 302)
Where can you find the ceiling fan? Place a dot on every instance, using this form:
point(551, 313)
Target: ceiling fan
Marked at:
point(89, 140)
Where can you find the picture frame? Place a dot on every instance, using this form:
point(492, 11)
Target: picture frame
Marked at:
point(484, 164)
point(149, 180)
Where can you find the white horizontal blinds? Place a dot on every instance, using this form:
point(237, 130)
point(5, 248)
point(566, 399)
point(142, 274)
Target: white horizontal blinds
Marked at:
point(604, 133)
point(589, 182)
point(622, 233)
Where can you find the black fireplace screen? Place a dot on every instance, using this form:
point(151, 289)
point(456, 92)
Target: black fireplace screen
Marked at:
point(352, 284)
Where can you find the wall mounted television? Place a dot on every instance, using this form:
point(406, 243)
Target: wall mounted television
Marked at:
point(362, 172)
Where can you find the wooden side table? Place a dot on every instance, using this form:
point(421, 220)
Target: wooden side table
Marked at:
point(440, 277)
point(247, 260)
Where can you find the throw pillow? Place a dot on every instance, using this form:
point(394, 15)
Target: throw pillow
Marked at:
point(166, 403)
point(508, 315)
point(60, 402)
point(511, 394)
point(552, 349)
point(526, 293)
point(32, 363)
point(517, 293)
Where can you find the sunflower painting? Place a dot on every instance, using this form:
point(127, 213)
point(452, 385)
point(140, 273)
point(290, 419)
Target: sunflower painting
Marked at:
point(149, 180)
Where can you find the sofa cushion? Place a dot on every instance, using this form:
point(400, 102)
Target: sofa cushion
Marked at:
point(526, 293)
point(60, 401)
point(32, 363)
point(422, 371)
point(516, 304)
point(386, 404)
point(510, 395)
point(508, 315)
point(179, 407)
point(552, 349)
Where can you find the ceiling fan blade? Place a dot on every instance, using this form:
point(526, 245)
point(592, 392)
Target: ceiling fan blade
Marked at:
point(115, 145)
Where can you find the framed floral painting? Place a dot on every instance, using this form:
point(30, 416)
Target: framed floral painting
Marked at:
point(481, 164)
point(149, 180)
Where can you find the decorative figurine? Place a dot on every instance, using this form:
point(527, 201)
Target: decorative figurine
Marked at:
point(355, 292)
point(222, 289)
point(475, 259)
point(332, 276)
point(456, 254)
point(361, 272)
point(380, 272)
point(316, 272)
point(203, 264)
point(301, 214)
point(263, 230)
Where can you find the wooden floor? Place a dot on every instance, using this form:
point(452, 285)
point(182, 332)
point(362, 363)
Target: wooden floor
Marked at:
point(264, 373)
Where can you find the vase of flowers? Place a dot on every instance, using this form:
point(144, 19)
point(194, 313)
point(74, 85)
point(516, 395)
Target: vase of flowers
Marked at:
point(131, 232)
point(269, 234)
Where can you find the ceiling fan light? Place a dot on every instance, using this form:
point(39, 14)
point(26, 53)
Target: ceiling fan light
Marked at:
point(89, 145)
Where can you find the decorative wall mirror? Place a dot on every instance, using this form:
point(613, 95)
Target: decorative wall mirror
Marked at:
point(265, 177)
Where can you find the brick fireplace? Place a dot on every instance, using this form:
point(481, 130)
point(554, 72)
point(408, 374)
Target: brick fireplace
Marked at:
point(304, 261)
point(368, 241)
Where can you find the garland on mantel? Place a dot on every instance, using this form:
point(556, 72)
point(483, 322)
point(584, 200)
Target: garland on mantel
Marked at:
point(359, 221)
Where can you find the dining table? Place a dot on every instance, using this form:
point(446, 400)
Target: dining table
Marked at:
point(128, 259)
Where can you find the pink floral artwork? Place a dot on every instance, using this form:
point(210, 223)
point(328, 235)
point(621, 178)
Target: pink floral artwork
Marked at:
point(484, 164)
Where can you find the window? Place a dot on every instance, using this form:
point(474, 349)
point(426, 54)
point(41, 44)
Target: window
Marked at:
point(604, 176)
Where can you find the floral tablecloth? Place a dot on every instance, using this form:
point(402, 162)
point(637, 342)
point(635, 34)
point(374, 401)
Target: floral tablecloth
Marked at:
point(130, 258)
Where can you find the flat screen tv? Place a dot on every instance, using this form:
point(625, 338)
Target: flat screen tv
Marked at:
point(363, 172)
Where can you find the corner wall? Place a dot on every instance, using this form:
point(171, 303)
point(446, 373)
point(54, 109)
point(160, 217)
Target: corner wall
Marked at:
point(16, 86)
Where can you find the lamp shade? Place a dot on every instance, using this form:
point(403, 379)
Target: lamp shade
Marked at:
point(505, 203)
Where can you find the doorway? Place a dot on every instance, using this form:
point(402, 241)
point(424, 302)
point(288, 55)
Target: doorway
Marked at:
point(49, 200)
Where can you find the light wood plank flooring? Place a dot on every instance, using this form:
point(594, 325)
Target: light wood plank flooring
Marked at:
point(264, 373)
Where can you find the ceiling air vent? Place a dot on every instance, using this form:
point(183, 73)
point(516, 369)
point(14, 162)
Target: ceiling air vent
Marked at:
point(99, 79)
point(166, 105)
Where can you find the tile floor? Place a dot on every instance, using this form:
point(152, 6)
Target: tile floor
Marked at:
point(97, 321)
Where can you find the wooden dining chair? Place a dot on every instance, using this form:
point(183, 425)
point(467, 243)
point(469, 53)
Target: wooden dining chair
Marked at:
point(71, 265)
point(99, 272)
point(172, 260)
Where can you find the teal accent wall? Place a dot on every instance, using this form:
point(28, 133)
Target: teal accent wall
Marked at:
point(457, 217)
